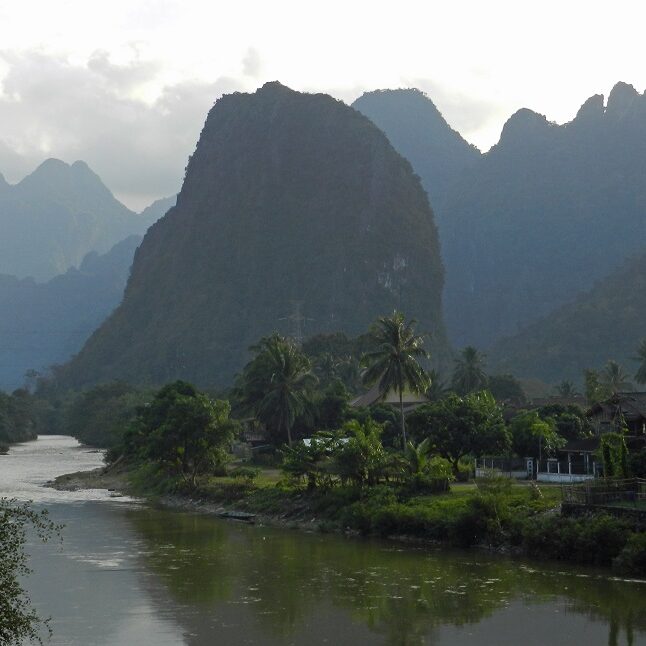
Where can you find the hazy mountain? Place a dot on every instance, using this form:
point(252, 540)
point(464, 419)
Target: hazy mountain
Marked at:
point(544, 214)
point(418, 131)
point(288, 197)
point(46, 323)
point(540, 217)
point(157, 209)
point(55, 216)
point(608, 322)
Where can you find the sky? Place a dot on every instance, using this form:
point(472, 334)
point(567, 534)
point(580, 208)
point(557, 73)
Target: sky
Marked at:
point(125, 85)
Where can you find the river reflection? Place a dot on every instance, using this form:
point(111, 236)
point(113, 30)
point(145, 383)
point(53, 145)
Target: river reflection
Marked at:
point(127, 574)
point(280, 583)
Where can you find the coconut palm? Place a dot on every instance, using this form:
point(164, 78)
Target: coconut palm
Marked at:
point(640, 375)
point(276, 384)
point(566, 389)
point(469, 374)
point(327, 367)
point(437, 388)
point(614, 378)
point(394, 364)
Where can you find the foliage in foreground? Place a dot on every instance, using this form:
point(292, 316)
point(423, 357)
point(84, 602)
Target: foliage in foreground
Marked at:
point(18, 620)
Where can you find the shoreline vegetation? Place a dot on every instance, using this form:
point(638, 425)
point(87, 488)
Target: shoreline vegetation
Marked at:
point(490, 514)
point(299, 441)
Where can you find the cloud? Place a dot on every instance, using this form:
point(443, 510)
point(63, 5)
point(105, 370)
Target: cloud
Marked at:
point(52, 107)
point(126, 77)
point(251, 63)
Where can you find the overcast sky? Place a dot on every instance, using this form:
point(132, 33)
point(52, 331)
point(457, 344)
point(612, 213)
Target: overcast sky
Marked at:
point(126, 84)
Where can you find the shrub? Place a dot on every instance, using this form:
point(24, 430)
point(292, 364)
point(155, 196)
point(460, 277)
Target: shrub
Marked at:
point(249, 474)
point(633, 557)
point(592, 539)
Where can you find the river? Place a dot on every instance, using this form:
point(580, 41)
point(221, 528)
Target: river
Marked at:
point(126, 574)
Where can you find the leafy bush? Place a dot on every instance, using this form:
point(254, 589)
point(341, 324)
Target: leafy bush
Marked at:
point(592, 539)
point(182, 430)
point(248, 474)
point(633, 557)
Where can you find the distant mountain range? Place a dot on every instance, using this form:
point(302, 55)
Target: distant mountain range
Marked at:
point(55, 216)
point(535, 221)
point(418, 131)
point(296, 198)
point(289, 200)
point(46, 323)
point(607, 322)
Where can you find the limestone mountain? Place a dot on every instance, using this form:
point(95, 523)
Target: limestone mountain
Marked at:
point(607, 322)
point(419, 132)
point(55, 216)
point(543, 215)
point(46, 323)
point(289, 198)
point(539, 218)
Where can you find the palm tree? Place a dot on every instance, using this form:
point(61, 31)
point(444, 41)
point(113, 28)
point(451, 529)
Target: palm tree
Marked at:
point(566, 389)
point(327, 368)
point(469, 374)
point(276, 383)
point(614, 378)
point(395, 361)
point(640, 375)
point(437, 388)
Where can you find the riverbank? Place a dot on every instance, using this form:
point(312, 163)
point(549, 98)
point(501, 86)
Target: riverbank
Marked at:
point(505, 518)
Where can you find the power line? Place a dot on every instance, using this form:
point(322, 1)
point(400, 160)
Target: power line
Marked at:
point(297, 319)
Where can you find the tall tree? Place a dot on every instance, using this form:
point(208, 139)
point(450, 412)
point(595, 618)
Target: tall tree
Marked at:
point(566, 389)
point(594, 390)
point(459, 426)
point(395, 361)
point(469, 374)
point(614, 378)
point(276, 384)
point(183, 430)
point(533, 436)
point(437, 388)
point(640, 375)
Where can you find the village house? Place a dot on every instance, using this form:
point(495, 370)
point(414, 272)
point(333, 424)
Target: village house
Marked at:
point(577, 460)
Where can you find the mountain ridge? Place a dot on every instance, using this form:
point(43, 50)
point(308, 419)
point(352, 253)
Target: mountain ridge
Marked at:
point(46, 323)
point(604, 323)
point(287, 197)
point(56, 215)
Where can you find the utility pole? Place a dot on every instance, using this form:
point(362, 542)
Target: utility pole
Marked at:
point(297, 319)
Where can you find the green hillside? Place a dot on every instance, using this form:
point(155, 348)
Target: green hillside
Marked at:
point(605, 323)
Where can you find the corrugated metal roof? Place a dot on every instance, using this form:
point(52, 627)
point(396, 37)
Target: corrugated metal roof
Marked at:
point(373, 396)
